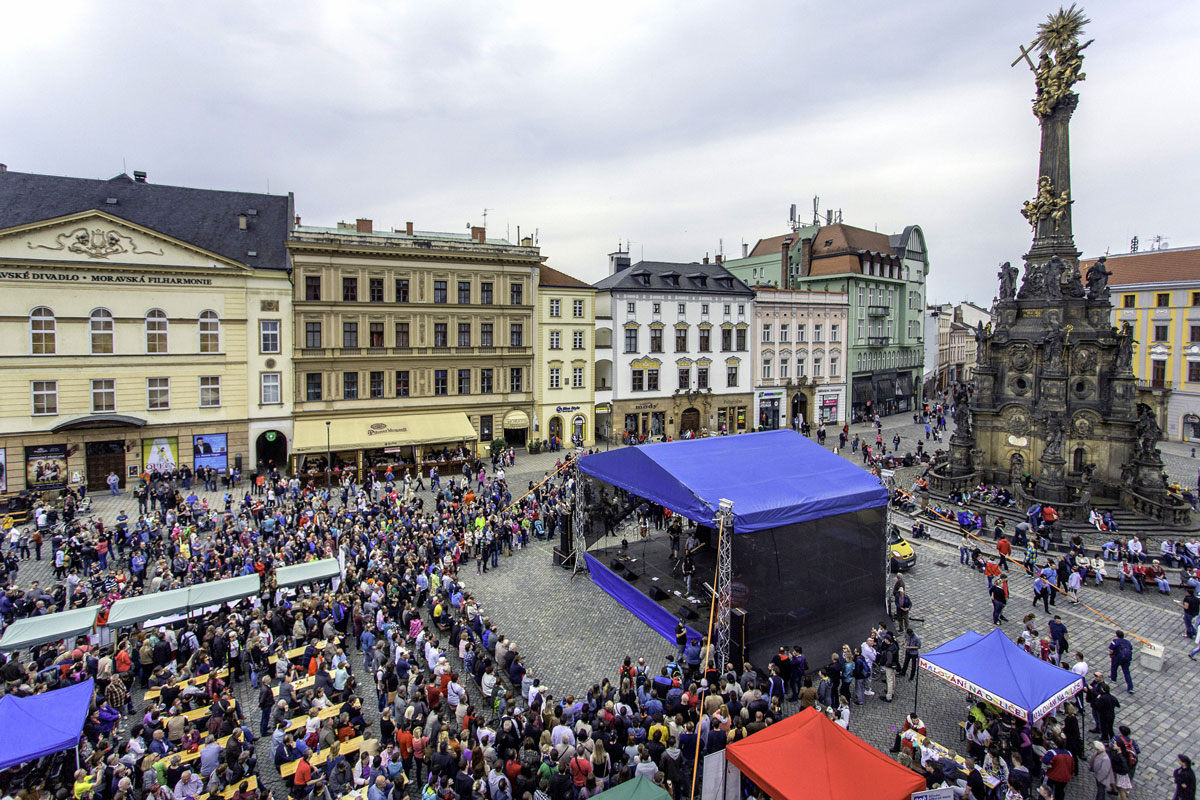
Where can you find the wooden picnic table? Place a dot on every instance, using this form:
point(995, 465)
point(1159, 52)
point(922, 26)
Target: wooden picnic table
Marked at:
point(317, 759)
point(199, 680)
point(203, 712)
point(298, 723)
point(298, 687)
point(296, 652)
point(231, 790)
point(990, 780)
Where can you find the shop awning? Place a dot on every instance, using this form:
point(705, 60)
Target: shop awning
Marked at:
point(862, 391)
point(132, 610)
point(32, 631)
point(308, 572)
point(374, 431)
point(886, 388)
point(516, 419)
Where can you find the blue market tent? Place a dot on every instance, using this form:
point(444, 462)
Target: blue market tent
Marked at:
point(997, 670)
point(48, 722)
point(774, 478)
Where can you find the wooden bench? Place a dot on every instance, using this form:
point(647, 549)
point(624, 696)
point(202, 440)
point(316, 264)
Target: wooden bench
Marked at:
point(203, 712)
point(298, 723)
point(199, 680)
point(296, 652)
point(298, 687)
point(187, 758)
point(317, 759)
point(230, 791)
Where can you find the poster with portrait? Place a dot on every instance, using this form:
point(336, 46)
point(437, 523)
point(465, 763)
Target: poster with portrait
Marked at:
point(160, 454)
point(46, 467)
point(209, 451)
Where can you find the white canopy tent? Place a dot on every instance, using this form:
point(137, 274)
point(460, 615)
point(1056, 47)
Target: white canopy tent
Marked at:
point(32, 631)
point(132, 610)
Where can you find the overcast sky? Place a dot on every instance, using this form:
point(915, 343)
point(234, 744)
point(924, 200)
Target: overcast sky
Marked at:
point(674, 125)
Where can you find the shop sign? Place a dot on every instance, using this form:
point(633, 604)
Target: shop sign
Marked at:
point(376, 428)
point(829, 401)
point(74, 277)
point(771, 394)
point(46, 467)
point(645, 406)
point(566, 409)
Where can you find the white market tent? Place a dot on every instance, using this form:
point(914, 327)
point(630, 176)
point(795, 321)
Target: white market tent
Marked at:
point(308, 572)
point(132, 610)
point(32, 631)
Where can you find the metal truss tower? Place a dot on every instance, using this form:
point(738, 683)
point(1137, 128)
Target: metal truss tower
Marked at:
point(724, 576)
point(578, 522)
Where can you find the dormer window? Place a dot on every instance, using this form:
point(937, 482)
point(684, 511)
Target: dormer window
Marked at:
point(642, 277)
point(671, 278)
point(698, 279)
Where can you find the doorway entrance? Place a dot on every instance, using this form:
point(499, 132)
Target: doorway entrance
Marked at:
point(577, 428)
point(103, 458)
point(271, 450)
point(799, 410)
point(516, 436)
point(689, 420)
point(556, 428)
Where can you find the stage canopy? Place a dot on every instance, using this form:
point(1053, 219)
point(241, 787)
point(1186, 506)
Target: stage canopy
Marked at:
point(132, 610)
point(308, 572)
point(836, 764)
point(774, 478)
point(639, 788)
point(997, 670)
point(47, 723)
point(32, 631)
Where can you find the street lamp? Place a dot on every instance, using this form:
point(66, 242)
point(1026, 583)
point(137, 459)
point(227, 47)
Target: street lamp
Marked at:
point(328, 457)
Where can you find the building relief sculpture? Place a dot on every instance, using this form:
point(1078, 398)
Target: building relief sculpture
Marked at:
point(95, 243)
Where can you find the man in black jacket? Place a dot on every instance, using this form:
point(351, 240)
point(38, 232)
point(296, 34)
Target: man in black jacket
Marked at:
point(266, 702)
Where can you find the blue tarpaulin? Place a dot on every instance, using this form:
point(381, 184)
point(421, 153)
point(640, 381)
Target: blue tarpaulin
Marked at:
point(639, 604)
point(999, 671)
point(42, 724)
point(774, 478)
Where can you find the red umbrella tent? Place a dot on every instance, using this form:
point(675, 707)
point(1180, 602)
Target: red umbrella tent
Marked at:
point(808, 757)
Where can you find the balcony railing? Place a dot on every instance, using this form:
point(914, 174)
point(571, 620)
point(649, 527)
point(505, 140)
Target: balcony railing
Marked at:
point(1155, 386)
point(878, 311)
point(878, 341)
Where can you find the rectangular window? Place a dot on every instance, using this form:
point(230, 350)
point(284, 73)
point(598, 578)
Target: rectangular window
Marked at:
point(741, 339)
point(766, 370)
point(801, 333)
point(350, 385)
point(704, 309)
point(401, 383)
point(270, 388)
point(158, 394)
point(485, 335)
point(631, 340)
point(860, 330)
point(785, 365)
point(577, 377)
point(485, 381)
point(312, 287)
point(860, 297)
point(349, 290)
point(376, 331)
point(833, 366)
point(741, 310)
point(1128, 300)
point(485, 294)
point(464, 293)
point(376, 385)
point(268, 336)
point(210, 391)
point(402, 290)
point(464, 334)
point(577, 309)
point(656, 340)
point(685, 377)
point(652, 380)
point(516, 294)
point(515, 375)
point(638, 380)
point(1194, 372)
point(630, 307)
point(1160, 333)
point(349, 334)
point(818, 333)
point(1196, 298)
point(656, 308)
point(556, 308)
point(556, 340)
point(104, 395)
point(440, 335)
point(731, 376)
point(701, 377)
point(555, 377)
point(577, 340)
point(375, 288)
point(402, 339)
point(816, 368)
point(681, 340)
point(705, 340)
point(726, 339)
point(312, 335)
point(439, 382)
point(682, 309)
point(801, 368)
point(1162, 300)
point(464, 381)
point(766, 332)
point(439, 291)
point(485, 427)
point(785, 332)
point(516, 333)
point(834, 332)
point(313, 383)
point(1194, 334)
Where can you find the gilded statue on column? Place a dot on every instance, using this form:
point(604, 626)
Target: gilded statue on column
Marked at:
point(1060, 59)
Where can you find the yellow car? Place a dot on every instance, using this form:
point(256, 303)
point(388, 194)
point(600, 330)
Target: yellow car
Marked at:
point(901, 557)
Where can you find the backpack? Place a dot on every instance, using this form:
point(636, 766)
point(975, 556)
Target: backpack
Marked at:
point(1120, 765)
point(1122, 650)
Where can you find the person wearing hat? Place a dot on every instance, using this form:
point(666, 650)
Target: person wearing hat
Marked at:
point(1156, 573)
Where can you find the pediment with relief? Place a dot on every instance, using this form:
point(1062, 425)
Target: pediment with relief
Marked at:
point(98, 239)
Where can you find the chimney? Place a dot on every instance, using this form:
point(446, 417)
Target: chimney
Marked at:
point(805, 257)
point(139, 176)
point(720, 258)
point(408, 228)
point(479, 234)
point(745, 249)
point(705, 261)
point(242, 222)
point(3, 168)
point(785, 274)
point(527, 241)
point(297, 220)
point(363, 226)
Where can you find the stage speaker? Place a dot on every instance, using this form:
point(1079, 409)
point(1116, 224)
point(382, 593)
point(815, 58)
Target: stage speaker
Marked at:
point(563, 553)
point(737, 637)
point(617, 565)
point(690, 613)
point(630, 576)
point(657, 594)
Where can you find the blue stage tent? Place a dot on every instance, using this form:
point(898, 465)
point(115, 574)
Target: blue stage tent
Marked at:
point(997, 670)
point(774, 478)
point(42, 724)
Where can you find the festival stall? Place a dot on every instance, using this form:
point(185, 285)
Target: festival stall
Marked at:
point(998, 671)
point(132, 610)
point(32, 631)
point(42, 724)
point(639, 788)
point(307, 572)
point(808, 757)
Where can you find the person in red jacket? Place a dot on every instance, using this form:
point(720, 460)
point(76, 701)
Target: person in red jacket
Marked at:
point(1060, 768)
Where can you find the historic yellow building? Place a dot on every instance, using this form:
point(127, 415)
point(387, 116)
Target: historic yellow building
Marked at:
point(565, 358)
point(411, 347)
point(145, 327)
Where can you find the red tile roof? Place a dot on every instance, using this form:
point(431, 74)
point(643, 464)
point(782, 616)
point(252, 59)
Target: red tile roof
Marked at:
point(549, 276)
point(1152, 266)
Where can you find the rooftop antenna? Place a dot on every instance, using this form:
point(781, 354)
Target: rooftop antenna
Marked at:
point(485, 213)
point(721, 247)
point(124, 169)
point(792, 218)
point(816, 210)
point(1133, 244)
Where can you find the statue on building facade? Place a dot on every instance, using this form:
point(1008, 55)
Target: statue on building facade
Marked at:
point(1008, 281)
point(1053, 343)
point(1125, 348)
point(1056, 432)
point(1097, 280)
point(1148, 432)
point(962, 412)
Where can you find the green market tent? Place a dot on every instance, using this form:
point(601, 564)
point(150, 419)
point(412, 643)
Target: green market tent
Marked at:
point(640, 788)
point(32, 631)
point(132, 610)
point(308, 572)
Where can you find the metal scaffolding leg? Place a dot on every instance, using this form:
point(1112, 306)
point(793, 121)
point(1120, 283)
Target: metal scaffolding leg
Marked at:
point(578, 537)
point(724, 576)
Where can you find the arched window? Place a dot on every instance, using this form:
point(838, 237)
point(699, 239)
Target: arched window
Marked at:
point(156, 331)
point(101, 325)
point(210, 332)
point(43, 331)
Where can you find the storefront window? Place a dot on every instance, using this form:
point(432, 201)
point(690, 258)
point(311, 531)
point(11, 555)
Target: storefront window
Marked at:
point(658, 423)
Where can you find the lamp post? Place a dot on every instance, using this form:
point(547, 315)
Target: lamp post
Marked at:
point(328, 457)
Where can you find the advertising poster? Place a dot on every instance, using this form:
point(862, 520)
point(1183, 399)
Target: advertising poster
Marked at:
point(160, 454)
point(46, 467)
point(209, 451)
point(3, 471)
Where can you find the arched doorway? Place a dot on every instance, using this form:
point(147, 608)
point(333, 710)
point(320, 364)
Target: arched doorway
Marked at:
point(579, 428)
point(689, 420)
point(799, 410)
point(271, 450)
point(556, 427)
point(1191, 426)
point(1078, 460)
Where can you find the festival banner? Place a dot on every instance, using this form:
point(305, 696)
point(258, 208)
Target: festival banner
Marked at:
point(46, 467)
point(210, 450)
point(160, 454)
